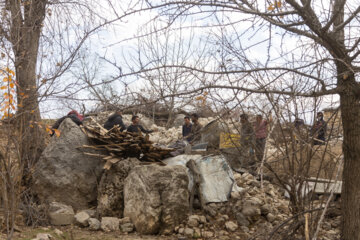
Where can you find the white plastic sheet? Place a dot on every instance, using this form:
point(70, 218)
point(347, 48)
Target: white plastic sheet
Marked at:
point(217, 176)
point(182, 159)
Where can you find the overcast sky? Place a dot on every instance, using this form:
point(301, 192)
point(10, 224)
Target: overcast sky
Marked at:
point(116, 43)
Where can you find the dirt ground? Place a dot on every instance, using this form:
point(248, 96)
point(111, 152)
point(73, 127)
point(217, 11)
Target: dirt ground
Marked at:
point(75, 233)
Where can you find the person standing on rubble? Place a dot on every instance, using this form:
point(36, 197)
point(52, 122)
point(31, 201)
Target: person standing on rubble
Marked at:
point(76, 117)
point(247, 141)
point(115, 119)
point(260, 128)
point(319, 129)
point(135, 127)
point(186, 128)
point(196, 127)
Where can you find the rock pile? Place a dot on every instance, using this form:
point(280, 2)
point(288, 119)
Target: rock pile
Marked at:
point(152, 199)
point(248, 213)
point(61, 214)
point(252, 213)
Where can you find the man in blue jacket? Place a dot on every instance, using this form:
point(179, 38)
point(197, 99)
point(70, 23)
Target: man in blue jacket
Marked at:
point(186, 128)
point(135, 127)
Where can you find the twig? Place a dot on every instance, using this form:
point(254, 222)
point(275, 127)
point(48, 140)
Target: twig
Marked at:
point(291, 218)
point(307, 226)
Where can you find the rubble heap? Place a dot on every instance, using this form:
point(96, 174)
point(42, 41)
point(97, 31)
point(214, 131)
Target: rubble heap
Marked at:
point(155, 199)
point(253, 213)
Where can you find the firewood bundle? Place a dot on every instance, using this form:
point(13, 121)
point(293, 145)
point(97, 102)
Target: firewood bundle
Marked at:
point(120, 145)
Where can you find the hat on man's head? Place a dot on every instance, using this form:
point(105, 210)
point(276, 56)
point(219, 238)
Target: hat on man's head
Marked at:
point(195, 115)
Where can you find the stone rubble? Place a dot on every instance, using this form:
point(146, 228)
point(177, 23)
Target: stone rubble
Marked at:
point(43, 236)
point(58, 232)
point(154, 200)
point(60, 214)
point(94, 224)
point(127, 227)
point(91, 212)
point(109, 224)
point(231, 226)
point(251, 212)
point(82, 219)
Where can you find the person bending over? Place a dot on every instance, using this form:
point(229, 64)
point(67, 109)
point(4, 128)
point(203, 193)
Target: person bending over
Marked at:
point(115, 119)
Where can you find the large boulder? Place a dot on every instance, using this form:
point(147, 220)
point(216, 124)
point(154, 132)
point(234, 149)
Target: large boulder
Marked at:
point(111, 188)
point(64, 173)
point(156, 198)
point(210, 133)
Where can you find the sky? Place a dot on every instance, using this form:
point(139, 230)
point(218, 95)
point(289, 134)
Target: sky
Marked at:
point(116, 43)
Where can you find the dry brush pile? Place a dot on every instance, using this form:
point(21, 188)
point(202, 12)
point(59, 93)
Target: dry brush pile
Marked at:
point(118, 145)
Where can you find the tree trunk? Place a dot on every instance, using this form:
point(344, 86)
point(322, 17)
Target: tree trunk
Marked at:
point(26, 27)
point(28, 117)
point(350, 113)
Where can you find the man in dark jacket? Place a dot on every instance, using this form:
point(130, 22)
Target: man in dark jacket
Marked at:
point(186, 128)
point(319, 129)
point(136, 127)
point(73, 115)
point(115, 119)
point(247, 138)
point(195, 133)
point(247, 141)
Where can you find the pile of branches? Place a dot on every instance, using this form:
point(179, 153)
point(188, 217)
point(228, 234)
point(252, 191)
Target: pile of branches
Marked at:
point(121, 145)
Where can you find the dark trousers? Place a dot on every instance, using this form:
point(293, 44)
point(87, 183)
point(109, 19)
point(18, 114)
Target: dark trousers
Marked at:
point(260, 148)
point(321, 138)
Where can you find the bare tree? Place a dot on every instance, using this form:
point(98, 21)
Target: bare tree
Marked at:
point(323, 55)
point(42, 39)
point(167, 46)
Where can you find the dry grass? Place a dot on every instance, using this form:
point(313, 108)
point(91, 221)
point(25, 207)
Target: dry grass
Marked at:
point(321, 161)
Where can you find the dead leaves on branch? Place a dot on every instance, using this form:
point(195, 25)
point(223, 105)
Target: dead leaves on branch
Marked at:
point(273, 6)
point(277, 5)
